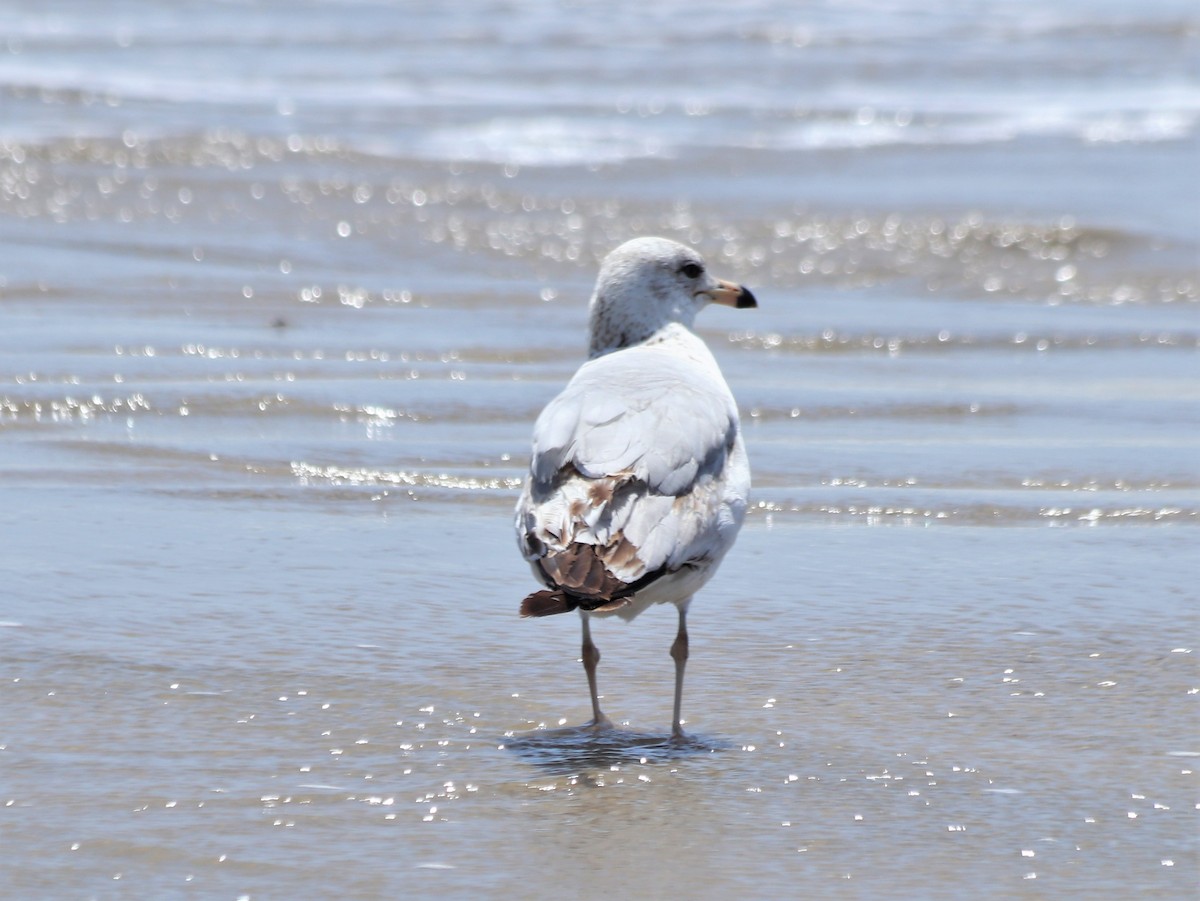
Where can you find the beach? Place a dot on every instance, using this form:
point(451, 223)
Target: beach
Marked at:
point(283, 289)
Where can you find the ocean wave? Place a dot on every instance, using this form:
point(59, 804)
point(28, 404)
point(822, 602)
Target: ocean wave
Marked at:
point(865, 128)
point(557, 109)
point(550, 141)
point(546, 141)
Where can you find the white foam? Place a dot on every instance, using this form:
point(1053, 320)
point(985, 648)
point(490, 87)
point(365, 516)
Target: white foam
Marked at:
point(546, 141)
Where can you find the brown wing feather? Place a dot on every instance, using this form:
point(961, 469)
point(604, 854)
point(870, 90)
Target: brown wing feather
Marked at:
point(580, 575)
point(582, 582)
point(579, 570)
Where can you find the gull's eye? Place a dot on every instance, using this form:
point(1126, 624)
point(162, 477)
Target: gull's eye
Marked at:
point(692, 270)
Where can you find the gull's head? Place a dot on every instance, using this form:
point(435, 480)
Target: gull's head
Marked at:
point(648, 283)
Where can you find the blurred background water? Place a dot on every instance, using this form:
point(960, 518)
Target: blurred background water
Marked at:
point(283, 287)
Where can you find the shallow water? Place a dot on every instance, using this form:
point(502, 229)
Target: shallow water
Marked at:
point(282, 290)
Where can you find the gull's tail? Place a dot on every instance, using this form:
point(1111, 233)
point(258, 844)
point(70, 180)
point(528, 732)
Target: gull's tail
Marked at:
point(548, 602)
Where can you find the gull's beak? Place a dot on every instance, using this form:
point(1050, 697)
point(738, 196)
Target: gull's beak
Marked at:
point(731, 295)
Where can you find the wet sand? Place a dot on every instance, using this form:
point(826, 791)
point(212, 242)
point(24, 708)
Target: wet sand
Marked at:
point(875, 716)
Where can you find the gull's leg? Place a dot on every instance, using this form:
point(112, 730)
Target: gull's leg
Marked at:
point(679, 652)
point(591, 656)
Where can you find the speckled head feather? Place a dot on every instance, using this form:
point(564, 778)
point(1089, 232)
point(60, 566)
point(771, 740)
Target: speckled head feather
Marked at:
point(646, 284)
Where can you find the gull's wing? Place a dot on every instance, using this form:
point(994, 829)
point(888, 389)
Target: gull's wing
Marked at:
point(637, 471)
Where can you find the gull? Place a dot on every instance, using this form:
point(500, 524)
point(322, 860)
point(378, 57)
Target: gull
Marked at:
point(638, 478)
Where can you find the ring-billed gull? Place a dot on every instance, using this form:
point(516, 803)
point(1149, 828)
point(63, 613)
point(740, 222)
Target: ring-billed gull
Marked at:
point(638, 479)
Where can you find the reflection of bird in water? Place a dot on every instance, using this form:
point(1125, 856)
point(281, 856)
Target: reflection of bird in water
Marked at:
point(638, 480)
